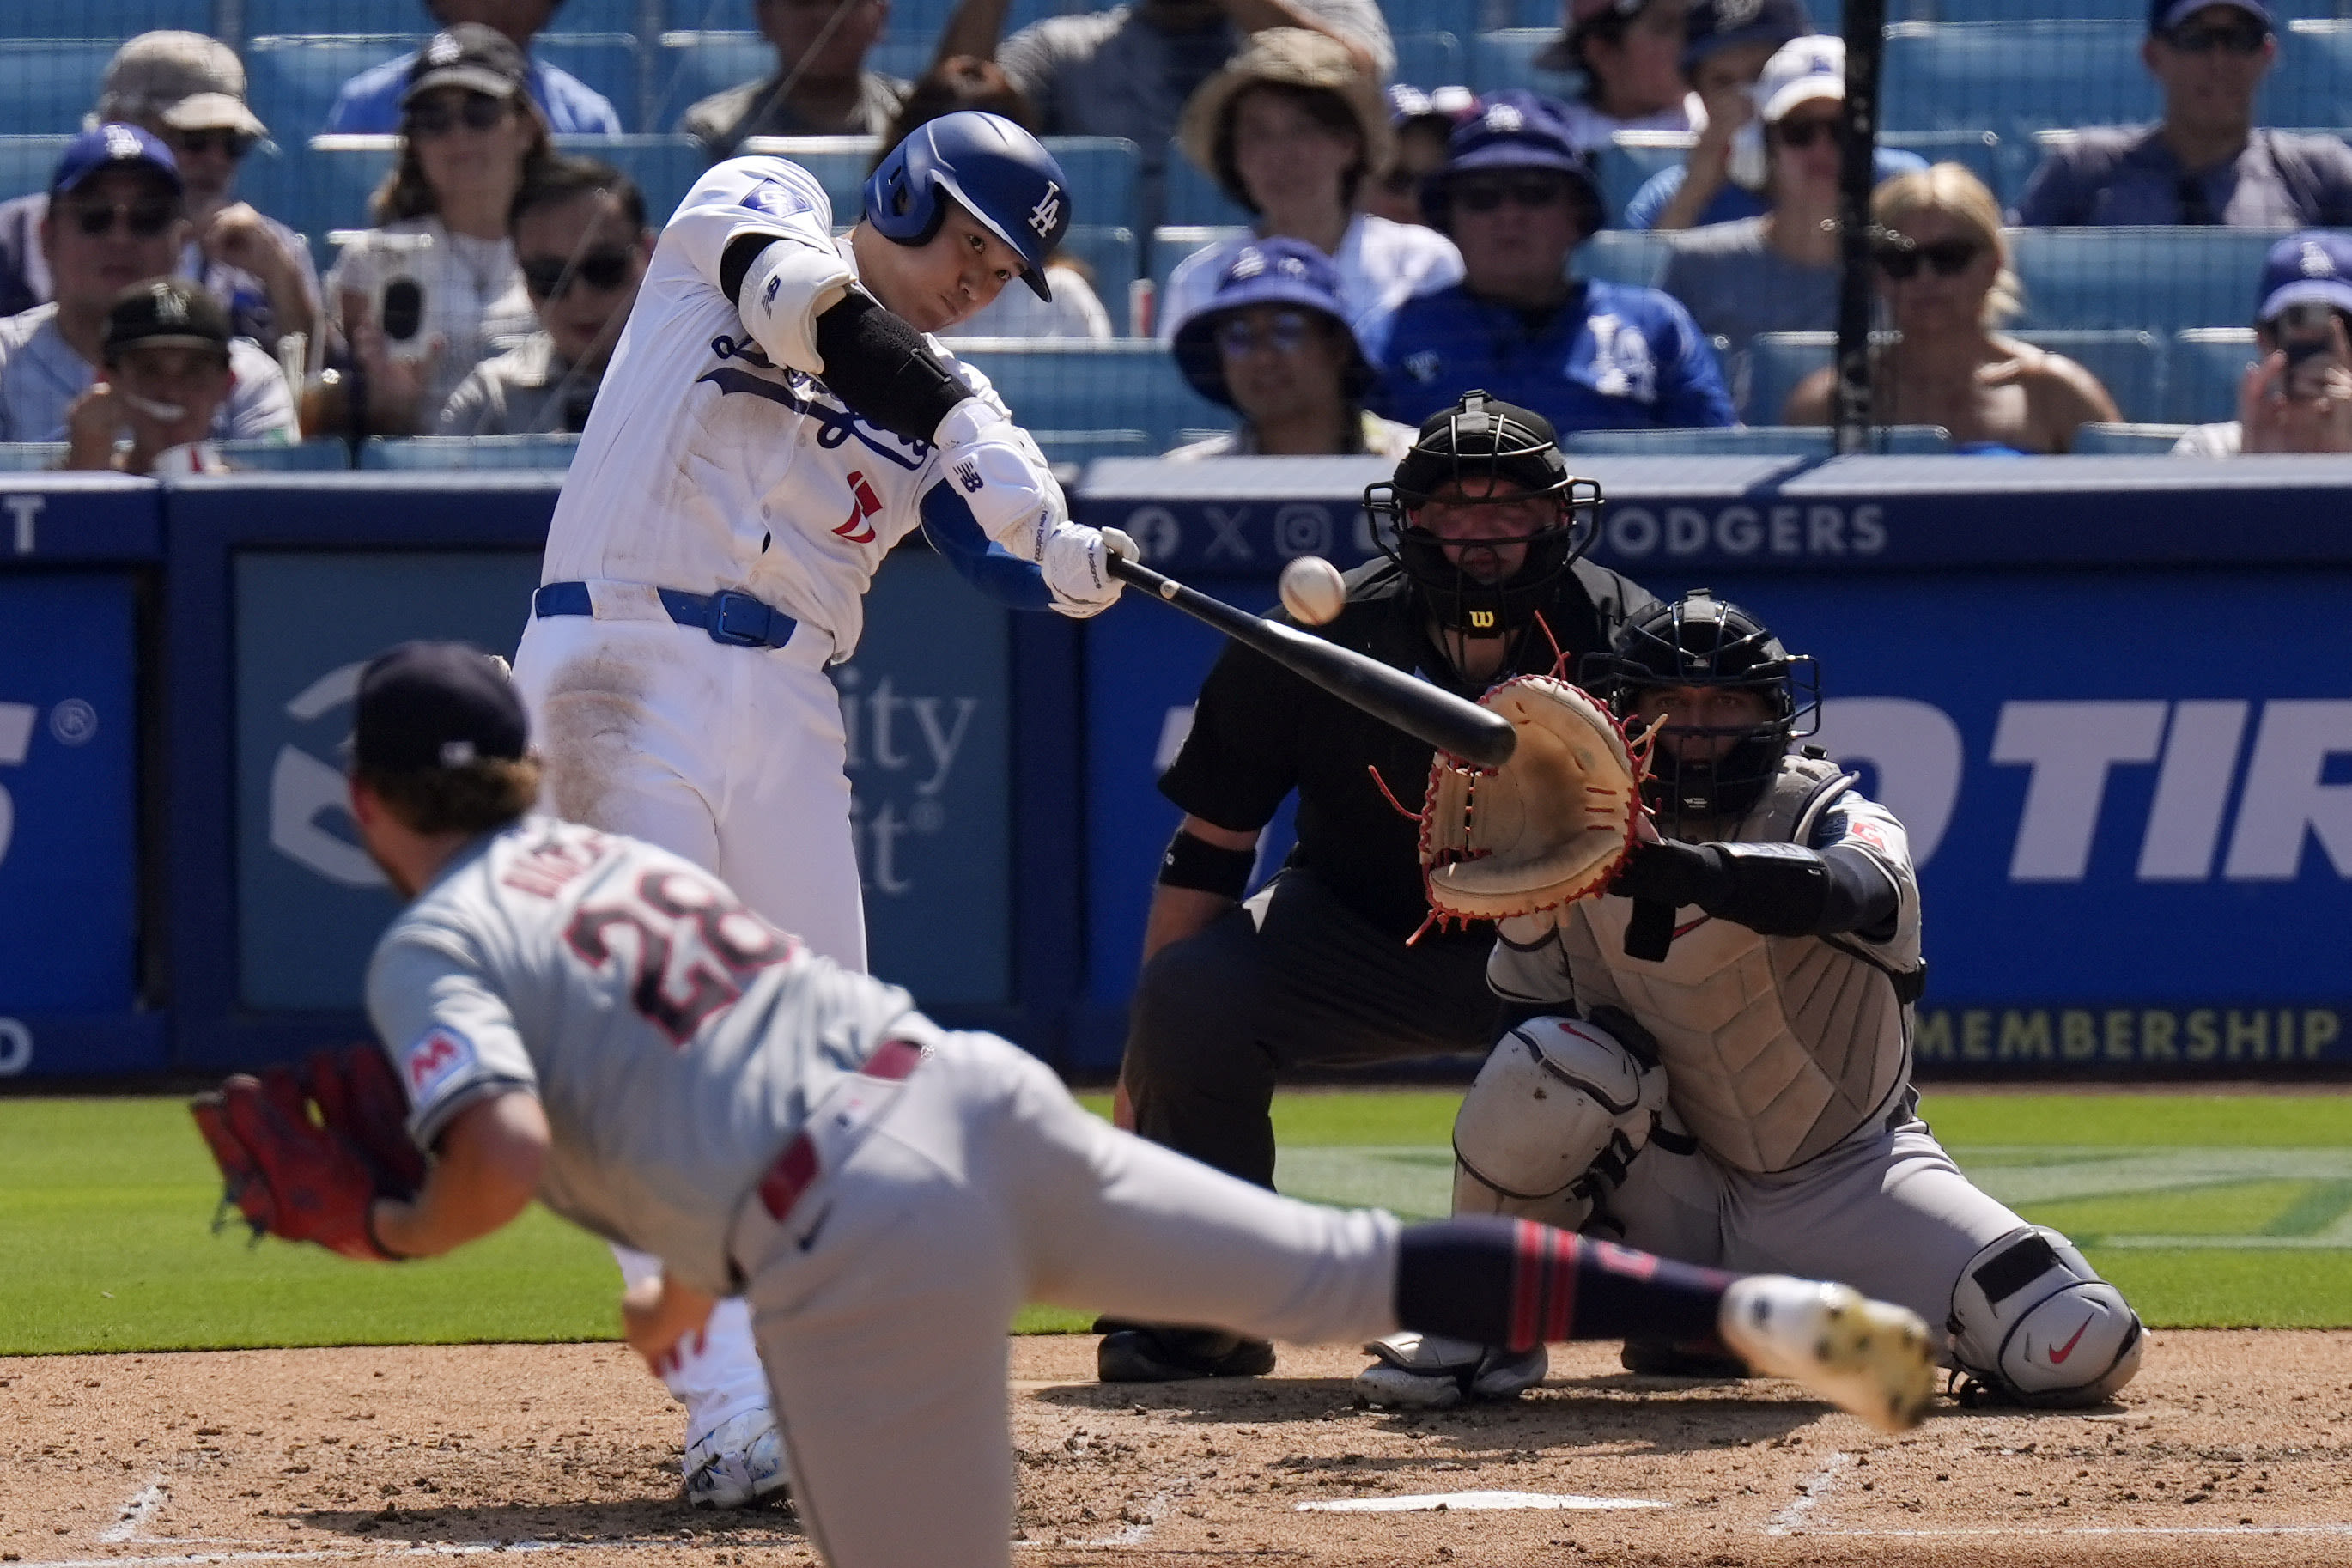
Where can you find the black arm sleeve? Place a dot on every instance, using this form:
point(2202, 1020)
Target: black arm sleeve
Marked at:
point(1777, 889)
point(874, 362)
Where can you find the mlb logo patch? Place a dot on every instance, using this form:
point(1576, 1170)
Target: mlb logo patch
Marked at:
point(439, 1055)
point(776, 200)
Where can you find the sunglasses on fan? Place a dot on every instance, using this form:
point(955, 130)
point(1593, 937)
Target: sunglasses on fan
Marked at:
point(478, 112)
point(1945, 259)
point(145, 220)
point(550, 277)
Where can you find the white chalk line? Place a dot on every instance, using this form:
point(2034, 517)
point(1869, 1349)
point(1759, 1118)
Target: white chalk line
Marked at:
point(2042, 1531)
point(1134, 1533)
point(135, 1513)
point(1809, 1494)
point(1477, 1502)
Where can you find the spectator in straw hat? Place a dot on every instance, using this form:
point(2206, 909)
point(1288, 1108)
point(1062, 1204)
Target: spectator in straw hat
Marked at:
point(188, 92)
point(1273, 343)
point(1291, 130)
point(1630, 52)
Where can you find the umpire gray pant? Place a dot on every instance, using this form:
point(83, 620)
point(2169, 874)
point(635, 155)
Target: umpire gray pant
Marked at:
point(1294, 977)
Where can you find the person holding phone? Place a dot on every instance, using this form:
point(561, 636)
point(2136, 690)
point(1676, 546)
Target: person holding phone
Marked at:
point(433, 289)
point(2297, 398)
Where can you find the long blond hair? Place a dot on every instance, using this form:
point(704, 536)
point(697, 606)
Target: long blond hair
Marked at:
point(1953, 191)
point(404, 192)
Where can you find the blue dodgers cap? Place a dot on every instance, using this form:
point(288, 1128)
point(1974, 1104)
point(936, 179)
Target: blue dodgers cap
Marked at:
point(1713, 25)
point(435, 705)
point(1514, 129)
point(1265, 272)
point(115, 146)
point(2163, 15)
point(2312, 267)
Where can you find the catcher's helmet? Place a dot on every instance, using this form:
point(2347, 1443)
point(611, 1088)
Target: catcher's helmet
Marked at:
point(1471, 449)
point(1003, 176)
point(1701, 640)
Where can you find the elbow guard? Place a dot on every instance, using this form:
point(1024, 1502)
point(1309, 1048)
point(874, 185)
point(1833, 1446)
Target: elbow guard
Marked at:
point(781, 291)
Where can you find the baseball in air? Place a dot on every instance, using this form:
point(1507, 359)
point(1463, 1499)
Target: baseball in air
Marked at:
point(1312, 590)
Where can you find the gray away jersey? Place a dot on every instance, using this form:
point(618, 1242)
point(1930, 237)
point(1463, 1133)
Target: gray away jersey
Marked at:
point(676, 1039)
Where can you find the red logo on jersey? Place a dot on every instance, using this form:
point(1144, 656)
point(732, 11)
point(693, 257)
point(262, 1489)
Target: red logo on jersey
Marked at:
point(863, 505)
point(435, 1058)
point(1868, 832)
point(2058, 1357)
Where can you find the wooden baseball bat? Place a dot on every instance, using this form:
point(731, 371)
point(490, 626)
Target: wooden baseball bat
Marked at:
point(1472, 733)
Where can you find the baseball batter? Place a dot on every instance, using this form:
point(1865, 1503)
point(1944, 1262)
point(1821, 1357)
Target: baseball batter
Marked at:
point(1763, 959)
point(585, 1019)
point(773, 421)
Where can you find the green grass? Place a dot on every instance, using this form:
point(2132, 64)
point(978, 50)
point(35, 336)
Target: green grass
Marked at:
point(2207, 1209)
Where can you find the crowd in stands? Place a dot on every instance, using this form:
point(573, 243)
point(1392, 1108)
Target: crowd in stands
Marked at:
point(1405, 243)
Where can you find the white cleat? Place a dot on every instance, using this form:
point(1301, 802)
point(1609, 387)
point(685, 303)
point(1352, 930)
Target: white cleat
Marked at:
point(739, 1463)
point(1870, 1358)
point(1429, 1372)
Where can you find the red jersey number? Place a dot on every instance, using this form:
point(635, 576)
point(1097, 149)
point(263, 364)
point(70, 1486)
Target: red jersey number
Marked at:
point(684, 945)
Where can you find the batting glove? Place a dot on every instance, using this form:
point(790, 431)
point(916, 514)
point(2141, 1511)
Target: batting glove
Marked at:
point(1075, 570)
point(1003, 478)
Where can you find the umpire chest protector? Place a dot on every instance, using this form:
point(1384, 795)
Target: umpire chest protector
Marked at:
point(1775, 1048)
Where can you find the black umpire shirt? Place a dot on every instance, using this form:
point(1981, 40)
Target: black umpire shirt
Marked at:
point(1259, 731)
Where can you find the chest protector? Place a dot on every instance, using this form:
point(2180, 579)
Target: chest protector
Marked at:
point(1775, 1048)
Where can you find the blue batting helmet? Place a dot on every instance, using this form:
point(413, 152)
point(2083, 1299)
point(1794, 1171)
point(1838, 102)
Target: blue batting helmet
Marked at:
point(1002, 175)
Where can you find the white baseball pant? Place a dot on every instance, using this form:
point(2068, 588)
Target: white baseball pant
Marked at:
point(882, 1300)
point(735, 758)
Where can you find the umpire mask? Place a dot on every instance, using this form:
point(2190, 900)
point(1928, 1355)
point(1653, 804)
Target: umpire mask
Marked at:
point(1483, 452)
point(1701, 641)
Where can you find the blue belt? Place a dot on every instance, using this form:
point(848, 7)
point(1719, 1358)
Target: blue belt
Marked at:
point(734, 618)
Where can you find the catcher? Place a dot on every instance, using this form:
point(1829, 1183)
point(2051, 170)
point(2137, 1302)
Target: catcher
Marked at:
point(1746, 1100)
point(594, 1021)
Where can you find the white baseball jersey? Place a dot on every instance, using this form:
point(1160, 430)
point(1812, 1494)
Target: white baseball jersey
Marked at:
point(705, 464)
point(676, 1040)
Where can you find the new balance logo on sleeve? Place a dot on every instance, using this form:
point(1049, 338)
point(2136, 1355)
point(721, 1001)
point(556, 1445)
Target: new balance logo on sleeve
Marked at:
point(967, 474)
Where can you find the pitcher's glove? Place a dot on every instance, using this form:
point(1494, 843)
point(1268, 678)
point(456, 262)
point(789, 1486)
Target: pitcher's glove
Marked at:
point(306, 1154)
point(1548, 826)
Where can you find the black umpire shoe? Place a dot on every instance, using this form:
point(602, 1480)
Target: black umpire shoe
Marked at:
point(1661, 1358)
point(1139, 1352)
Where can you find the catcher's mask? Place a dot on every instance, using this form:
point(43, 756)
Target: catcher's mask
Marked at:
point(1702, 641)
point(1478, 447)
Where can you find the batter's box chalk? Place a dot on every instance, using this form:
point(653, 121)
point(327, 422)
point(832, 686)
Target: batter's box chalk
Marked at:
point(1475, 1502)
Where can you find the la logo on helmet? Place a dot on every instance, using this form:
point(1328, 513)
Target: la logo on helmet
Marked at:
point(1048, 210)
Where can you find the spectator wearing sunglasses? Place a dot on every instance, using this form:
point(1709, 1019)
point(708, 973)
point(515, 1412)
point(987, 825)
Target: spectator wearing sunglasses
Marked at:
point(1778, 272)
point(2205, 161)
point(374, 103)
point(2297, 398)
point(1273, 343)
point(821, 86)
point(1419, 124)
point(1291, 130)
point(167, 347)
point(1516, 197)
point(1944, 276)
point(115, 218)
point(581, 244)
point(433, 289)
point(188, 90)
point(1630, 52)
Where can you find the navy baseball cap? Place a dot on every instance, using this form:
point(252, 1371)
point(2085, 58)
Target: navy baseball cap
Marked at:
point(1514, 129)
point(2312, 267)
point(1713, 25)
point(435, 705)
point(115, 146)
point(1265, 272)
point(2163, 15)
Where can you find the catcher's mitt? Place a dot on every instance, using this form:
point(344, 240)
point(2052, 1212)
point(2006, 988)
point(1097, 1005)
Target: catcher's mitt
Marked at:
point(1550, 826)
point(314, 1180)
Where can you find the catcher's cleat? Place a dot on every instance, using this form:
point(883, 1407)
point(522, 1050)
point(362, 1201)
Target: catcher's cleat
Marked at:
point(1430, 1371)
point(1133, 1352)
point(1870, 1358)
point(738, 1463)
point(1663, 1358)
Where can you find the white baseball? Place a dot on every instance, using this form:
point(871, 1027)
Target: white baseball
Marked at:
point(1312, 590)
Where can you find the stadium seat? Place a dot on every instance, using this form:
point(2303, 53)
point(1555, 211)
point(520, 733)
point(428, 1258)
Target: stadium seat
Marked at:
point(292, 79)
point(1777, 362)
point(1127, 385)
point(2207, 363)
point(692, 65)
point(839, 162)
point(2129, 364)
point(2156, 280)
point(1753, 440)
point(1108, 255)
point(1507, 59)
point(23, 456)
point(1622, 255)
point(2108, 439)
point(445, 452)
point(664, 167)
point(2015, 78)
point(322, 188)
point(1631, 160)
point(112, 20)
point(26, 163)
point(46, 85)
point(1981, 153)
point(605, 62)
point(1190, 196)
point(2312, 81)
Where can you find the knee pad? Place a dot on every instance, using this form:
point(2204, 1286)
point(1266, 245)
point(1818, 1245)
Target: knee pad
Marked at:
point(1555, 1115)
point(2033, 1323)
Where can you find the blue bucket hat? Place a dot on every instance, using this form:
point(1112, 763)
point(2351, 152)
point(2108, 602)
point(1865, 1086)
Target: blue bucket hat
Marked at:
point(113, 146)
point(1514, 129)
point(1265, 272)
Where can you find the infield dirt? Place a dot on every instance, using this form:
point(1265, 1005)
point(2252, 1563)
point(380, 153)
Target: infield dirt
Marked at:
point(2231, 1447)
